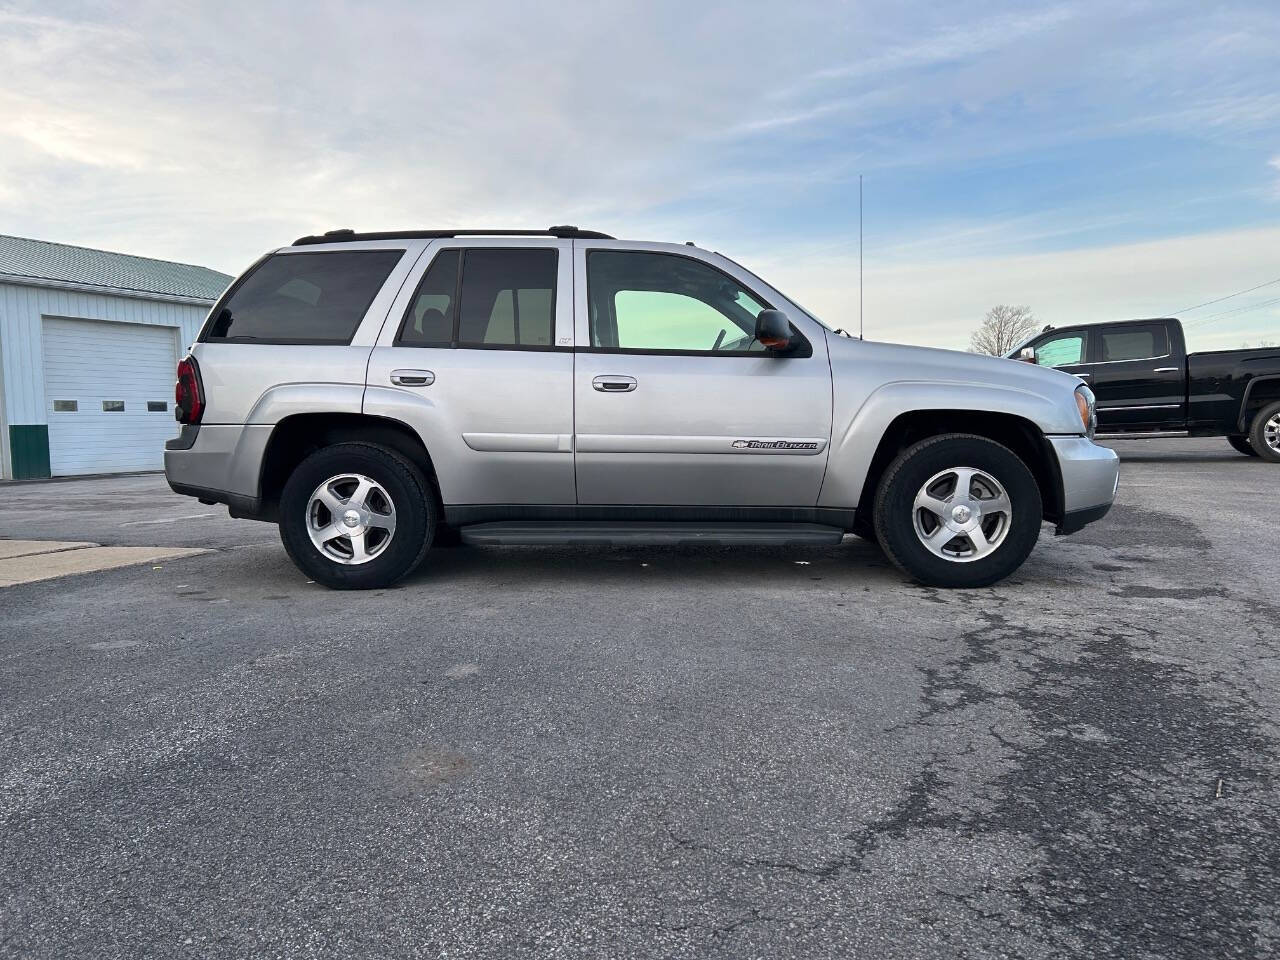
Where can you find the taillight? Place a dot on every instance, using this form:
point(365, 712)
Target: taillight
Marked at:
point(188, 395)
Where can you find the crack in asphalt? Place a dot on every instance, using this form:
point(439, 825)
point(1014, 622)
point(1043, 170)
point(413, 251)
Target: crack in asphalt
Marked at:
point(1112, 781)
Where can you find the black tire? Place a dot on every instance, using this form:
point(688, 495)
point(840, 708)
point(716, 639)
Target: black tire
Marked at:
point(895, 510)
point(1242, 444)
point(864, 529)
point(415, 510)
point(446, 537)
point(1258, 433)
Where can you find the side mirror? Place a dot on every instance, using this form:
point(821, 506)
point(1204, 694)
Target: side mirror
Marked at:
point(1027, 355)
point(773, 330)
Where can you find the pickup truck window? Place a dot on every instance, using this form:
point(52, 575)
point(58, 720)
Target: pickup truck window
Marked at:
point(663, 302)
point(1134, 343)
point(1061, 351)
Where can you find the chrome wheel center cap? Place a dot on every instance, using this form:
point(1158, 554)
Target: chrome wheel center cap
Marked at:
point(351, 518)
point(961, 513)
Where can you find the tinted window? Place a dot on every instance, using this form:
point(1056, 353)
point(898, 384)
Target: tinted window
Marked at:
point(429, 321)
point(508, 298)
point(304, 297)
point(1135, 343)
point(1061, 351)
point(656, 301)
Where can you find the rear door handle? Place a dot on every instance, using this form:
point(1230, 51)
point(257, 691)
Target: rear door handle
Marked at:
point(1166, 370)
point(412, 378)
point(1083, 376)
point(614, 384)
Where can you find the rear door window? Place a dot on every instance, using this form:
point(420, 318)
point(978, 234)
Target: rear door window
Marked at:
point(1134, 343)
point(429, 322)
point(315, 298)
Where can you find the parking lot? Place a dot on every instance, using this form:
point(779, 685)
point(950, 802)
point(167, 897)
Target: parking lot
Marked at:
point(687, 752)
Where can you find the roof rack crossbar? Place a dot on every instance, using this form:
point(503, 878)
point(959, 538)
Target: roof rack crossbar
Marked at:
point(348, 236)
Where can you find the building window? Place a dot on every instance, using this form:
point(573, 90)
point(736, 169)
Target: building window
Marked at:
point(66, 406)
point(113, 406)
point(157, 406)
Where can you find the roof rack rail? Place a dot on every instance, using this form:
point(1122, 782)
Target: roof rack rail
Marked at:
point(347, 235)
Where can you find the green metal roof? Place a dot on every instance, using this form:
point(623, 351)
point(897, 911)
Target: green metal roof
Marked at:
point(60, 262)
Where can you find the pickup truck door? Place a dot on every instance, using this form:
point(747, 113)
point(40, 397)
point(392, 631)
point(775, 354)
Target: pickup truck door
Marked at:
point(1139, 382)
point(476, 355)
point(676, 404)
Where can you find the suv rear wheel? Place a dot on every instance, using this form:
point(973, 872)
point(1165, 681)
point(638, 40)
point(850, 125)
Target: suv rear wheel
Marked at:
point(356, 516)
point(958, 510)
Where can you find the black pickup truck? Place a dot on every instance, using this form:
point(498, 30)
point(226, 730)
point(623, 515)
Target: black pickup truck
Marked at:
point(1146, 382)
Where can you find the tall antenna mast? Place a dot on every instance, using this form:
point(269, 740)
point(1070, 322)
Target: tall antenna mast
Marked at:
point(859, 256)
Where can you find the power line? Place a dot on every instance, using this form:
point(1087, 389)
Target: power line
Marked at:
point(1227, 297)
point(1227, 313)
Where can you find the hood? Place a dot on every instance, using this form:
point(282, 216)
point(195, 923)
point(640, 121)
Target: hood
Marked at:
point(895, 361)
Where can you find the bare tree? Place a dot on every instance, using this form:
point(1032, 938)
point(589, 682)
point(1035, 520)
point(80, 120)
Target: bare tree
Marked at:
point(1003, 329)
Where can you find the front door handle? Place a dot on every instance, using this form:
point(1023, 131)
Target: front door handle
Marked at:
point(614, 384)
point(1083, 376)
point(412, 378)
point(1166, 369)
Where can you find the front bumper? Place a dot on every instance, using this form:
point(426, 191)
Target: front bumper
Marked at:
point(1090, 475)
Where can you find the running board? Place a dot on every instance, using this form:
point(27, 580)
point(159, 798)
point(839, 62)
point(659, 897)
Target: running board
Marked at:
point(546, 533)
point(1144, 435)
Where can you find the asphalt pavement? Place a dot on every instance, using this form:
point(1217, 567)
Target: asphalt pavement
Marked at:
point(675, 752)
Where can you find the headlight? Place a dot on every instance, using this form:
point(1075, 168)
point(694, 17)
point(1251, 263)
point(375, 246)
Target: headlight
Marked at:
point(1088, 413)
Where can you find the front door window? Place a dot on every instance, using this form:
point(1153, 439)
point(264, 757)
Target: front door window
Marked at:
point(659, 302)
point(1061, 351)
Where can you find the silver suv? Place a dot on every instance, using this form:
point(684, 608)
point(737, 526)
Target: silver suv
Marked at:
point(375, 393)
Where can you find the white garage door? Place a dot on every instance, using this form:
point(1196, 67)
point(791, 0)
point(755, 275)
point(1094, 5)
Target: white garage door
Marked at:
point(109, 395)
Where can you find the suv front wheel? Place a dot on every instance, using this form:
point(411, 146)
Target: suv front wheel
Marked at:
point(355, 516)
point(958, 510)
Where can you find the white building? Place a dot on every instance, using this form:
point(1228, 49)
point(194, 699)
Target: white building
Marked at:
point(88, 345)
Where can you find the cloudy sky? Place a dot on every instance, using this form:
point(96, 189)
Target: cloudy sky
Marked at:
point(1094, 160)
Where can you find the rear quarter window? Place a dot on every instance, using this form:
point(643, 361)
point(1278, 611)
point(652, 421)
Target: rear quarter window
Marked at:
point(303, 298)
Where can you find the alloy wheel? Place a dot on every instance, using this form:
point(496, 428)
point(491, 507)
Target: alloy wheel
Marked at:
point(1271, 432)
point(351, 518)
point(962, 514)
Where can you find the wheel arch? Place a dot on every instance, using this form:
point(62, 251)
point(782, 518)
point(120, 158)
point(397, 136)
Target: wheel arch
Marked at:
point(1017, 433)
point(1260, 392)
point(296, 437)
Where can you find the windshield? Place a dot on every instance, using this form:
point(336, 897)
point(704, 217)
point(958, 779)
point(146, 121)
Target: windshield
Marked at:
point(808, 313)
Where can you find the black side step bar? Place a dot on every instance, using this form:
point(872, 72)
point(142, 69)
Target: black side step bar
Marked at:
point(546, 533)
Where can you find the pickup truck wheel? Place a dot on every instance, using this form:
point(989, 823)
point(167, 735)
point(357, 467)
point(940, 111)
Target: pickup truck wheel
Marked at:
point(1242, 444)
point(356, 516)
point(958, 510)
point(1264, 434)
